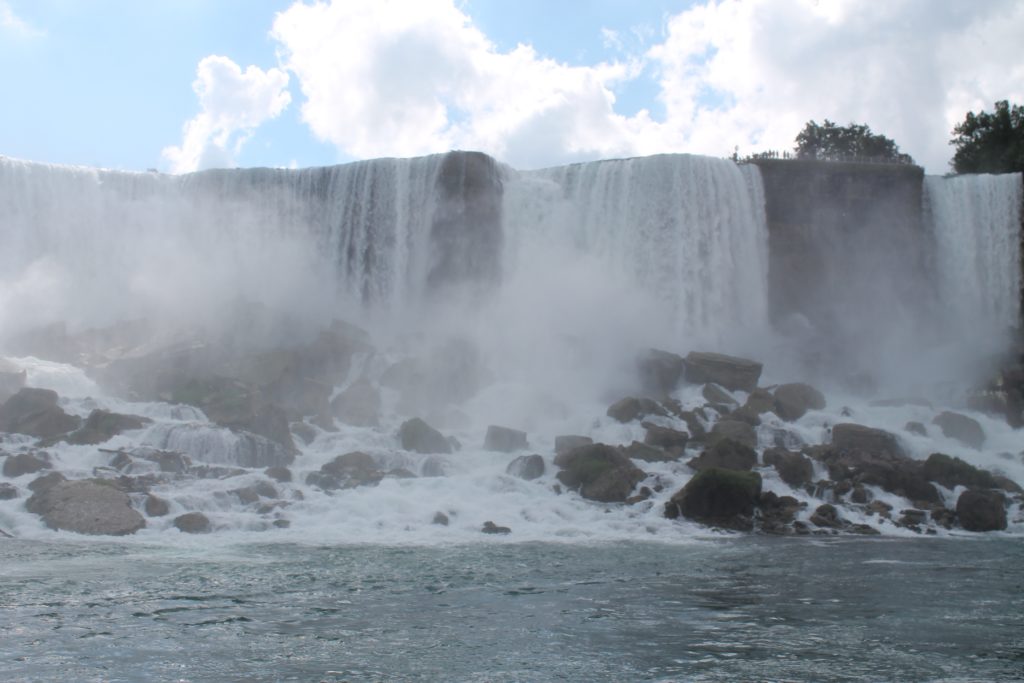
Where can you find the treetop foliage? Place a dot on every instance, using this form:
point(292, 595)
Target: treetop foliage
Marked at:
point(855, 142)
point(990, 143)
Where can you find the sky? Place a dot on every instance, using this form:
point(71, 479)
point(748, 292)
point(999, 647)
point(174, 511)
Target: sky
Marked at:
point(183, 85)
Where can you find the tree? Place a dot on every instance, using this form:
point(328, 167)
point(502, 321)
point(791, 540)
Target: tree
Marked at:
point(830, 142)
point(990, 143)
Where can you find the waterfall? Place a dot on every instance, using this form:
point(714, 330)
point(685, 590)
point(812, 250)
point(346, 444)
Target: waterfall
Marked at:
point(976, 222)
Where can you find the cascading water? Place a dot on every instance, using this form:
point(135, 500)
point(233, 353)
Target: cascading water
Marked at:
point(976, 222)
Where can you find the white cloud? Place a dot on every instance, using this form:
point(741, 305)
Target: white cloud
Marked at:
point(409, 77)
point(232, 104)
point(12, 23)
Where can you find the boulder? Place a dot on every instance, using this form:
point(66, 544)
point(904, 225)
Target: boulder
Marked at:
point(8, 491)
point(665, 437)
point(826, 516)
point(633, 408)
point(103, 425)
point(305, 432)
point(568, 442)
point(895, 473)
point(715, 394)
point(734, 430)
point(440, 519)
point(660, 372)
point(417, 435)
point(725, 454)
point(86, 507)
point(641, 451)
point(504, 439)
point(281, 475)
point(778, 512)
point(25, 463)
point(964, 429)
point(46, 481)
point(600, 472)
point(792, 401)
point(718, 497)
point(793, 468)
point(953, 472)
point(358, 405)
point(980, 510)
point(156, 506)
point(347, 471)
point(693, 424)
point(492, 528)
point(735, 374)
point(35, 412)
point(854, 437)
point(193, 523)
point(526, 467)
point(916, 428)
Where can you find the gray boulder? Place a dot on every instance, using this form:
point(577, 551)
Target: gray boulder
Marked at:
point(854, 437)
point(193, 523)
point(600, 472)
point(568, 442)
point(103, 425)
point(417, 435)
point(953, 472)
point(725, 454)
point(792, 401)
point(715, 394)
point(25, 463)
point(156, 506)
point(793, 468)
point(633, 408)
point(35, 412)
point(735, 374)
point(980, 510)
point(86, 507)
point(504, 439)
point(665, 437)
point(660, 372)
point(347, 471)
point(526, 467)
point(734, 430)
point(964, 429)
point(8, 491)
point(718, 497)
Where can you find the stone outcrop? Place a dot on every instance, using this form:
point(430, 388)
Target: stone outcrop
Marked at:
point(505, 439)
point(792, 401)
point(528, 467)
point(953, 472)
point(735, 374)
point(964, 429)
point(848, 436)
point(718, 497)
point(600, 472)
point(670, 439)
point(103, 425)
point(735, 430)
point(793, 468)
point(567, 442)
point(35, 412)
point(86, 507)
point(417, 435)
point(346, 471)
point(633, 408)
point(981, 510)
point(25, 463)
point(725, 454)
point(193, 523)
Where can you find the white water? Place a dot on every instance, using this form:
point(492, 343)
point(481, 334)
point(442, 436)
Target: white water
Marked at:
point(599, 261)
point(976, 221)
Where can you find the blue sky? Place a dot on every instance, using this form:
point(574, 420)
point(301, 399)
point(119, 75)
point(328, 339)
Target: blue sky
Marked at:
point(186, 84)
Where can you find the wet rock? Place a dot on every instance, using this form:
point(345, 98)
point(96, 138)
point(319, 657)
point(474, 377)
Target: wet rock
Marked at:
point(440, 519)
point(504, 439)
point(347, 471)
point(944, 517)
point(46, 481)
point(670, 439)
point(492, 528)
point(953, 472)
point(282, 475)
point(1007, 484)
point(783, 438)
point(863, 530)
point(434, 467)
point(103, 425)
point(325, 422)
point(777, 512)
point(792, 401)
point(660, 372)
point(860, 495)
point(713, 393)
point(826, 516)
point(11, 380)
point(793, 468)
point(417, 435)
point(156, 506)
point(980, 510)
point(528, 467)
point(35, 412)
point(895, 473)
point(916, 428)
point(86, 507)
point(8, 491)
point(693, 424)
point(848, 436)
point(250, 495)
point(735, 374)
point(400, 473)
point(641, 451)
point(725, 454)
point(193, 523)
point(880, 508)
point(305, 432)
point(633, 408)
point(718, 497)
point(734, 430)
point(759, 402)
point(358, 405)
point(25, 463)
point(568, 442)
point(912, 518)
point(600, 472)
point(168, 461)
point(964, 429)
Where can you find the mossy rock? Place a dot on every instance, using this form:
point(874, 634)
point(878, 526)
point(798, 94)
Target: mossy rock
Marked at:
point(718, 497)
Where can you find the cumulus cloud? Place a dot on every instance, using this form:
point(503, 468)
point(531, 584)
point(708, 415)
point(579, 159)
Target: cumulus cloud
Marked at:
point(409, 77)
point(232, 104)
point(12, 23)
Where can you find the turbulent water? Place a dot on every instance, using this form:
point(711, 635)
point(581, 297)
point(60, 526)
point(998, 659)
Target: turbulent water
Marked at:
point(497, 297)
